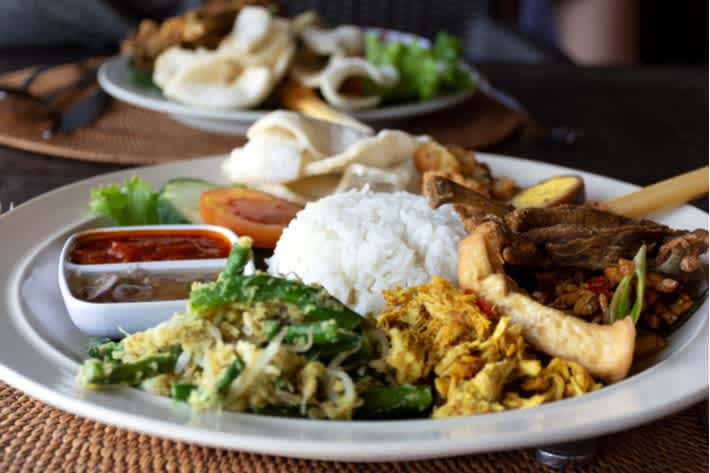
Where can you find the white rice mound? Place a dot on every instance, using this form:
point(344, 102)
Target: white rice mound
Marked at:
point(358, 243)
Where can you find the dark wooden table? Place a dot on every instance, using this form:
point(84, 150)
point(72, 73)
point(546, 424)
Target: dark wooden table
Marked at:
point(637, 124)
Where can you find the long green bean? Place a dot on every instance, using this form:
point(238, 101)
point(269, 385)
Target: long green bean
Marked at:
point(314, 302)
point(234, 287)
point(230, 374)
point(322, 331)
point(97, 372)
point(395, 401)
point(103, 348)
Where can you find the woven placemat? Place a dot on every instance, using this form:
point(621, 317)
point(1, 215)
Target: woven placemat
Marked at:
point(124, 134)
point(35, 437)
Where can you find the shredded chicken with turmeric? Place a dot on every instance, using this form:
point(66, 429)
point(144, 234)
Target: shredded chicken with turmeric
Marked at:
point(478, 363)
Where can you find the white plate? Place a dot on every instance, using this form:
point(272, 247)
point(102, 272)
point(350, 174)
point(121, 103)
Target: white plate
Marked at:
point(40, 351)
point(114, 79)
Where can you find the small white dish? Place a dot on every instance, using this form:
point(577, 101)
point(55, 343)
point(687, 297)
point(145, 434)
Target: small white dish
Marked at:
point(114, 319)
point(114, 78)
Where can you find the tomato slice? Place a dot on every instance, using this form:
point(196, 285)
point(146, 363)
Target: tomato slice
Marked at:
point(248, 213)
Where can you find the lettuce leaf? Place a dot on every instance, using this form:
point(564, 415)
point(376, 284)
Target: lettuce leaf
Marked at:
point(424, 73)
point(131, 203)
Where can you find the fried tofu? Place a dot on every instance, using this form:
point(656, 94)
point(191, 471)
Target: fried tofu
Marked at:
point(605, 350)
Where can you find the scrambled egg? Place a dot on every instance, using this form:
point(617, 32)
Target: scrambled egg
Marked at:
point(478, 364)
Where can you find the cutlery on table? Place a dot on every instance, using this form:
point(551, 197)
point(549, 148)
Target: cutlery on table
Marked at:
point(29, 80)
point(44, 105)
point(23, 92)
point(80, 114)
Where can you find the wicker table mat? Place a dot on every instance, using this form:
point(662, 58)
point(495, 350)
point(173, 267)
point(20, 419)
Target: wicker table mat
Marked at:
point(35, 437)
point(124, 134)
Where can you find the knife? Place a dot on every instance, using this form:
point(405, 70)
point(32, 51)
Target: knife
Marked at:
point(80, 114)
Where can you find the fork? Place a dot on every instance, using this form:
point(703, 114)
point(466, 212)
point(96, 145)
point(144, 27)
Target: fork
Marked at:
point(45, 104)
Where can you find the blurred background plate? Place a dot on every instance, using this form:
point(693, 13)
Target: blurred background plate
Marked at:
point(115, 78)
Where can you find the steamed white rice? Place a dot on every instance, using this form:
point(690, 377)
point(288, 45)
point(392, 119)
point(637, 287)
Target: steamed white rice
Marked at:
point(358, 243)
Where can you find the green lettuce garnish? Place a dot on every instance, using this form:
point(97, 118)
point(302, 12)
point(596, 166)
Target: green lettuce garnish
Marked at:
point(424, 73)
point(131, 203)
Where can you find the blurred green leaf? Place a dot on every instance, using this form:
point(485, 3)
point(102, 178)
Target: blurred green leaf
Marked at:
point(131, 203)
point(424, 73)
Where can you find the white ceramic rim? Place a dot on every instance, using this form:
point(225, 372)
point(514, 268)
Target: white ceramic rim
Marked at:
point(676, 382)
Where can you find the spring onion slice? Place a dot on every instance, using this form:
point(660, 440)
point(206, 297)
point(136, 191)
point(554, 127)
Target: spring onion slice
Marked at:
point(620, 305)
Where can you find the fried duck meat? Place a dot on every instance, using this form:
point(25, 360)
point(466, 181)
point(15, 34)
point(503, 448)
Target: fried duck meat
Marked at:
point(606, 351)
point(204, 26)
point(572, 236)
point(461, 166)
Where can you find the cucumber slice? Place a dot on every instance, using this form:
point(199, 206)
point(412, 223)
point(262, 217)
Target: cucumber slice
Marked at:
point(179, 200)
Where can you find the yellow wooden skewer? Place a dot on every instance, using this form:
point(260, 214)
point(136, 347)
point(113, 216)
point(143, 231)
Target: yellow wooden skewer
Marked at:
point(304, 99)
point(669, 193)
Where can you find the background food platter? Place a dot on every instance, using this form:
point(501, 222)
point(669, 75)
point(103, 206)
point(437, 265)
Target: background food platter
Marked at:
point(41, 351)
point(114, 78)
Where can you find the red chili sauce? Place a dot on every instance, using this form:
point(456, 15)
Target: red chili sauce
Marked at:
point(148, 245)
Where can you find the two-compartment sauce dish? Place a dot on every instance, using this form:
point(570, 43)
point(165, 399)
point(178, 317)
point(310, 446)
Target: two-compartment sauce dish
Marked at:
point(125, 279)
